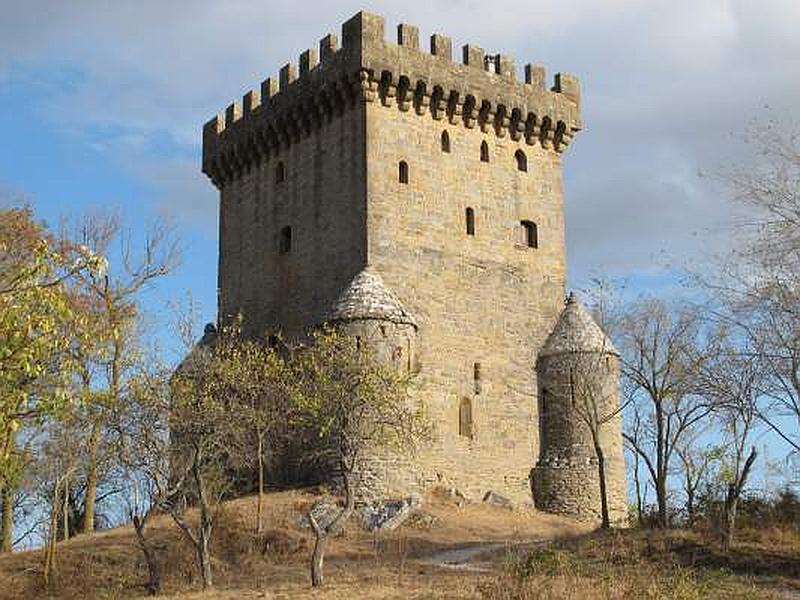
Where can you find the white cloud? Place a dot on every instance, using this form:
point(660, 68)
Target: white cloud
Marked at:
point(667, 85)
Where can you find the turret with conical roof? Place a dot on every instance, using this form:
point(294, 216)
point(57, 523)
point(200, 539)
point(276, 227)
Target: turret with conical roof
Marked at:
point(368, 310)
point(366, 298)
point(576, 331)
point(578, 374)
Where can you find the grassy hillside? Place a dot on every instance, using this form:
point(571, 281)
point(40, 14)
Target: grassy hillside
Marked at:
point(451, 551)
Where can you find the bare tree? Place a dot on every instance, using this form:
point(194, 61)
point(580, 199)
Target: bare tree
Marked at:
point(660, 358)
point(755, 291)
point(143, 446)
point(732, 378)
point(352, 404)
point(697, 465)
point(110, 349)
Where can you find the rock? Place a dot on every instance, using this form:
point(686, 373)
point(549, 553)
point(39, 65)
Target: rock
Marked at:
point(497, 500)
point(419, 519)
point(389, 514)
point(324, 511)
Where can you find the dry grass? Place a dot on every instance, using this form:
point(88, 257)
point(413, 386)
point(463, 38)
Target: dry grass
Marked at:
point(398, 564)
point(109, 565)
point(658, 565)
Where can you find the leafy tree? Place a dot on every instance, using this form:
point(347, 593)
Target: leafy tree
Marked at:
point(351, 404)
point(37, 326)
point(254, 381)
point(109, 350)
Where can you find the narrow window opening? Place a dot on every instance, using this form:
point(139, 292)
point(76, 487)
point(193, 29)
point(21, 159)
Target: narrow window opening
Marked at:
point(285, 242)
point(543, 401)
point(530, 234)
point(383, 330)
point(358, 342)
point(403, 171)
point(572, 387)
point(280, 172)
point(522, 161)
point(465, 418)
point(397, 354)
point(470, 221)
point(445, 142)
point(484, 152)
point(476, 375)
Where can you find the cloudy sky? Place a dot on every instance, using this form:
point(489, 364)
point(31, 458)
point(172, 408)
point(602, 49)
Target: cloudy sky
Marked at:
point(101, 105)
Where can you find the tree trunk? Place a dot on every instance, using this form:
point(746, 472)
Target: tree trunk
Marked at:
point(205, 560)
point(732, 500)
point(605, 522)
point(153, 585)
point(259, 512)
point(661, 466)
point(65, 510)
point(322, 533)
point(50, 551)
point(661, 497)
point(638, 486)
point(318, 556)
point(91, 479)
point(8, 519)
point(9, 491)
point(731, 504)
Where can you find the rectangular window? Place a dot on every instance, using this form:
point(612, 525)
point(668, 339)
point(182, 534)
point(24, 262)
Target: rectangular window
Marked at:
point(530, 234)
point(285, 241)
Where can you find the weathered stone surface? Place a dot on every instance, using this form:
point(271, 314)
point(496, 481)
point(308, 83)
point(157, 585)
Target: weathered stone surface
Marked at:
point(324, 511)
point(419, 519)
point(389, 514)
point(565, 479)
point(497, 500)
point(576, 331)
point(367, 298)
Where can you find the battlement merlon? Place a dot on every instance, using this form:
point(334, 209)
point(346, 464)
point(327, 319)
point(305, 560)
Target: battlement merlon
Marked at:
point(480, 91)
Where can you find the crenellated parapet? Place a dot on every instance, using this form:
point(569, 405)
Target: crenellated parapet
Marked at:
point(480, 91)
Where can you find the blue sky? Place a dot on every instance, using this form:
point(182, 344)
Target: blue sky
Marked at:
point(102, 103)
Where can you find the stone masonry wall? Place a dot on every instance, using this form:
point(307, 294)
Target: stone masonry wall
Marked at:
point(322, 200)
point(485, 298)
point(566, 480)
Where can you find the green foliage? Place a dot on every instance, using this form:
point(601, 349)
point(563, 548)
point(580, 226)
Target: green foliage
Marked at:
point(350, 401)
point(38, 321)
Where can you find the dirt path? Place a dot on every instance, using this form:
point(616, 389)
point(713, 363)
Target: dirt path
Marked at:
point(461, 558)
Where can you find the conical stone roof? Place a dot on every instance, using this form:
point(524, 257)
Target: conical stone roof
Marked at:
point(367, 297)
point(576, 331)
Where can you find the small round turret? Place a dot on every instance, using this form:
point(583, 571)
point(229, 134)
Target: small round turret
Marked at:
point(369, 311)
point(578, 372)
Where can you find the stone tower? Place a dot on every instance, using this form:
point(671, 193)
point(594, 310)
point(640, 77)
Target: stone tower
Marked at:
point(377, 181)
point(578, 373)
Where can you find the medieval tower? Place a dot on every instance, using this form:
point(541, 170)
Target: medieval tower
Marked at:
point(418, 200)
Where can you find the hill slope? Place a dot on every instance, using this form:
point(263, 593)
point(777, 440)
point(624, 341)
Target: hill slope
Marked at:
point(404, 563)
